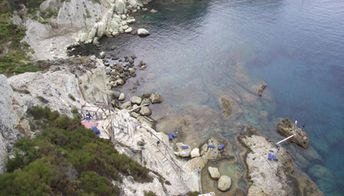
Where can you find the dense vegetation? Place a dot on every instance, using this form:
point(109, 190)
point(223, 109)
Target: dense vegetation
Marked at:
point(65, 159)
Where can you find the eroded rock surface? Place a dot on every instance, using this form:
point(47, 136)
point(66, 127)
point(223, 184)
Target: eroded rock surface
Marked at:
point(230, 108)
point(271, 177)
point(286, 128)
point(8, 134)
point(64, 88)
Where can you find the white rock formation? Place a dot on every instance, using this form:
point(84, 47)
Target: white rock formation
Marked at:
point(136, 100)
point(121, 97)
point(78, 21)
point(8, 120)
point(195, 153)
point(53, 88)
point(214, 172)
point(270, 177)
point(142, 32)
point(183, 150)
point(224, 183)
point(267, 176)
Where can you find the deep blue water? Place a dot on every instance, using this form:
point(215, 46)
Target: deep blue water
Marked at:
point(197, 49)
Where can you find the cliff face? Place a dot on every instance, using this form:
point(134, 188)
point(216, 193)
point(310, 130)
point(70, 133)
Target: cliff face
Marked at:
point(81, 83)
point(8, 134)
point(78, 21)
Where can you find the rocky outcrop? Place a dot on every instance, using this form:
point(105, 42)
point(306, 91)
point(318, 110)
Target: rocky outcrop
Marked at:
point(269, 177)
point(78, 21)
point(139, 141)
point(8, 120)
point(195, 153)
point(209, 152)
point(54, 88)
point(183, 150)
point(210, 149)
point(74, 85)
point(286, 128)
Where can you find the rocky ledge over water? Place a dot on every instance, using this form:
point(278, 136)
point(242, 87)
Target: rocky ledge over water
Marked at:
point(275, 175)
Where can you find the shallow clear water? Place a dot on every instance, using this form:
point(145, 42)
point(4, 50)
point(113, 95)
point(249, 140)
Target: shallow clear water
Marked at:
point(201, 50)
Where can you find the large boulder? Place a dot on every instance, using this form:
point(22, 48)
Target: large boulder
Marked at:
point(224, 183)
point(142, 32)
point(136, 100)
point(214, 173)
point(286, 128)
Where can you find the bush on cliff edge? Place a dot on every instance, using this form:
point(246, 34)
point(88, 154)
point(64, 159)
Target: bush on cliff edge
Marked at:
point(66, 159)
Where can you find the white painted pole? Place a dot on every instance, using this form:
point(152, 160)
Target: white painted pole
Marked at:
point(285, 139)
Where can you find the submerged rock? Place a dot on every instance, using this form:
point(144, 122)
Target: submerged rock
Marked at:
point(145, 111)
point(227, 105)
point(286, 128)
point(155, 98)
point(320, 172)
point(214, 173)
point(224, 183)
point(261, 88)
point(142, 32)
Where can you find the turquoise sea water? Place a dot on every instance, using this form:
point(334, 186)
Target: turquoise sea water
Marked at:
point(199, 50)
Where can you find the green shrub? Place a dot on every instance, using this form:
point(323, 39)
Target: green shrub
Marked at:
point(149, 193)
point(92, 183)
point(71, 97)
point(72, 158)
point(195, 193)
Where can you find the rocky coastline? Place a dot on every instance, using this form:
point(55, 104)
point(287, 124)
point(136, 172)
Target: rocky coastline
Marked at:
point(93, 85)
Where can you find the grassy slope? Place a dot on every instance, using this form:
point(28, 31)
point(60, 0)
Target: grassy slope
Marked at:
point(66, 159)
point(14, 58)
